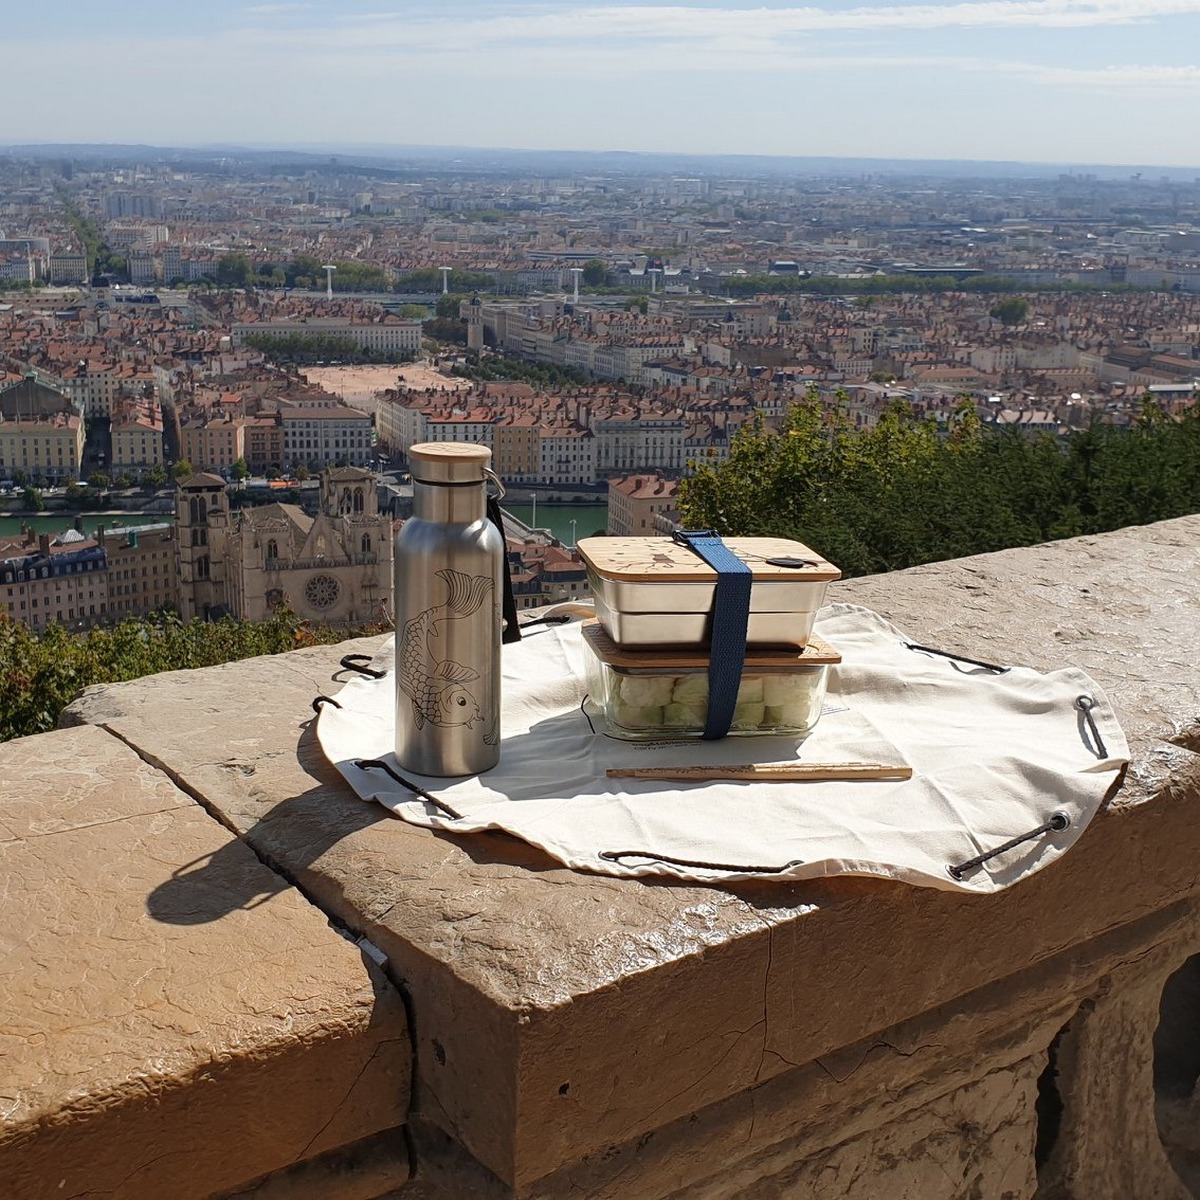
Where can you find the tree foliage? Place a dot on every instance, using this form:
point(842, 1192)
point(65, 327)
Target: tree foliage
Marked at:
point(429, 279)
point(909, 491)
point(595, 273)
point(498, 367)
point(304, 349)
point(1012, 310)
point(41, 673)
point(883, 285)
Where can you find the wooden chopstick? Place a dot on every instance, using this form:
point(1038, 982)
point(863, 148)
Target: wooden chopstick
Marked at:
point(765, 772)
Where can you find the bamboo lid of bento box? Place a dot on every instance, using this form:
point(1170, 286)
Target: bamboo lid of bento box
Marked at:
point(661, 560)
point(817, 653)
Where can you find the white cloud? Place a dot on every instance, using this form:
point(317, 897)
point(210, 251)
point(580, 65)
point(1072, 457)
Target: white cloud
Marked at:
point(642, 23)
point(274, 10)
point(1145, 76)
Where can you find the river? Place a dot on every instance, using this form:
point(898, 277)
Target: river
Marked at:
point(588, 518)
point(10, 527)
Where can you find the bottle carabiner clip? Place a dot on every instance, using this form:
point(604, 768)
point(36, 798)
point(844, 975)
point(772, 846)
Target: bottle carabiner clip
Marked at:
point(493, 479)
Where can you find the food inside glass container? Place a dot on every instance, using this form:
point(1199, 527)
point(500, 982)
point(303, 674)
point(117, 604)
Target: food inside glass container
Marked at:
point(664, 693)
point(648, 702)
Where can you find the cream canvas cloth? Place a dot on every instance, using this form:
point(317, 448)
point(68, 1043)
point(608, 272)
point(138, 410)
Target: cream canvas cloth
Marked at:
point(994, 756)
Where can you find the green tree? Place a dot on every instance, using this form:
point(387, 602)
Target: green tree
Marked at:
point(909, 491)
point(99, 480)
point(429, 279)
point(154, 476)
point(181, 470)
point(303, 266)
point(240, 471)
point(1011, 311)
point(75, 495)
point(595, 273)
point(41, 673)
point(31, 499)
point(448, 306)
point(234, 270)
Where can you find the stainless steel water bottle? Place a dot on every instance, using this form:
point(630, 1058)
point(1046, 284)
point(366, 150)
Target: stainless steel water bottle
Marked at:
point(449, 566)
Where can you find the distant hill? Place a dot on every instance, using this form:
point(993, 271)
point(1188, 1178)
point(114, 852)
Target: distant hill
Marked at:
point(466, 159)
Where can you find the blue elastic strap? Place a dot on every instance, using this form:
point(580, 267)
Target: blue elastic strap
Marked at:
point(730, 617)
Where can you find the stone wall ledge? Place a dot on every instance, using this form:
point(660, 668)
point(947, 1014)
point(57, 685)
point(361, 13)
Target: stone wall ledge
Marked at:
point(578, 1034)
point(174, 1018)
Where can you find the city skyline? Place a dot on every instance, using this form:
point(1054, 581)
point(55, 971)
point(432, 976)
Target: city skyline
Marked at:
point(1063, 81)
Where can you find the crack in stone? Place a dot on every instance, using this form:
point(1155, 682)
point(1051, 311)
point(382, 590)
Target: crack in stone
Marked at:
point(695, 1083)
point(335, 921)
point(31, 837)
point(337, 1108)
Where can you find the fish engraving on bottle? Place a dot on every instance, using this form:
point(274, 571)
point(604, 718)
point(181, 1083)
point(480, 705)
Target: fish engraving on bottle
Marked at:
point(437, 686)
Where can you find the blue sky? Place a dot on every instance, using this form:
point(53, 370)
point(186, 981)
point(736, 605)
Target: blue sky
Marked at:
point(1071, 81)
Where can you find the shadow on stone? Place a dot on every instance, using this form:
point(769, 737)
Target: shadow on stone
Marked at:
point(1177, 1070)
point(208, 888)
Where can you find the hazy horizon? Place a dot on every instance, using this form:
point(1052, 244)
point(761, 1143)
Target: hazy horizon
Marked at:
point(1101, 82)
point(441, 155)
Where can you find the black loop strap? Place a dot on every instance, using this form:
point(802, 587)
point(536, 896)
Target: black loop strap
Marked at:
point(553, 619)
point(357, 662)
point(508, 603)
point(316, 704)
point(1085, 704)
point(1057, 823)
point(370, 764)
point(618, 857)
point(962, 658)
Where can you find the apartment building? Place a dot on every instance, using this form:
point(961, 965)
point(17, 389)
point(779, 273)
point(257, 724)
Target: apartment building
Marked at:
point(47, 580)
point(92, 386)
point(172, 262)
point(567, 455)
point(263, 439)
point(458, 425)
point(122, 237)
point(16, 267)
point(516, 448)
point(639, 505)
point(143, 270)
point(212, 443)
point(401, 422)
point(326, 435)
point(137, 438)
point(48, 447)
point(629, 442)
point(390, 335)
point(67, 267)
point(142, 572)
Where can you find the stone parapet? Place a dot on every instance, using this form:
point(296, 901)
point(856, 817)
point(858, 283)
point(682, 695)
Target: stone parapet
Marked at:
point(577, 1035)
point(174, 1018)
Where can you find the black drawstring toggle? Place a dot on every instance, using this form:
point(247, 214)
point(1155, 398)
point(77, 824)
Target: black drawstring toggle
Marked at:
point(1056, 824)
point(1085, 704)
point(358, 662)
point(372, 764)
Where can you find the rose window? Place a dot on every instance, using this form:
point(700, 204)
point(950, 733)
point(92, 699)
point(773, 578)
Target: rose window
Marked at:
point(322, 591)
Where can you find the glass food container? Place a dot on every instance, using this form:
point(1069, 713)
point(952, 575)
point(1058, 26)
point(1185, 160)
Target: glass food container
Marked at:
point(663, 695)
